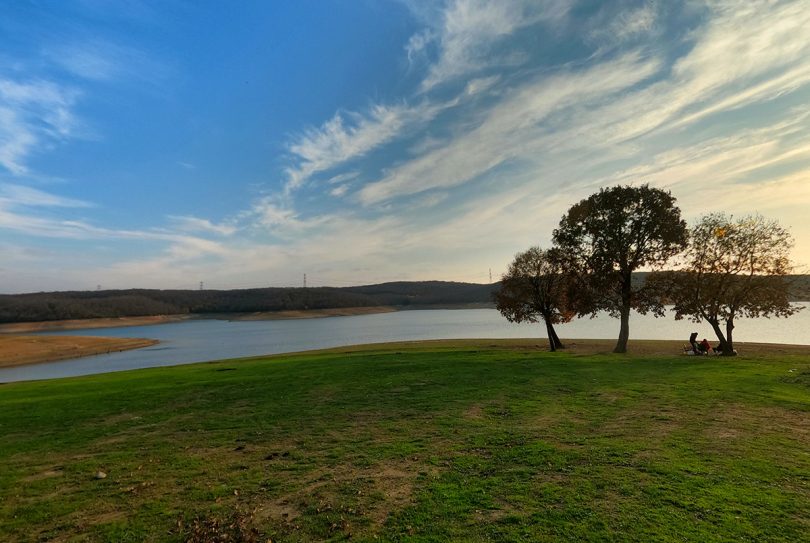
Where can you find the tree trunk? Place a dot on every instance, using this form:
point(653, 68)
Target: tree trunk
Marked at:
point(728, 350)
point(551, 335)
point(624, 331)
point(722, 338)
point(624, 314)
point(557, 343)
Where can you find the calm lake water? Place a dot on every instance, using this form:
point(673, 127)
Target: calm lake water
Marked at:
point(204, 340)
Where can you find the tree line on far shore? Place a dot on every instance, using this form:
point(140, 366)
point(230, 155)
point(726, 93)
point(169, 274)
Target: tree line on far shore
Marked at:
point(720, 269)
point(49, 306)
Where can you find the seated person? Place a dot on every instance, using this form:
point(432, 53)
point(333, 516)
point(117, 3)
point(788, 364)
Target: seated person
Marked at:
point(704, 346)
point(694, 348)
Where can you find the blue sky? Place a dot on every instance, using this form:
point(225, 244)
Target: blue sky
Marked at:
point(159, 144)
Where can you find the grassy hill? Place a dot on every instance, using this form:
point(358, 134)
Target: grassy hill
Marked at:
point(462, 441)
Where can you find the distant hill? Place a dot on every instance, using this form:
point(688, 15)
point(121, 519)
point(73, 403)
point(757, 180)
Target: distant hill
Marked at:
point(799, 285)
point(48, 306)
point(800, 288)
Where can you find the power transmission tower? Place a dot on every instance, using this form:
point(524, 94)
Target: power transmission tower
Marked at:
point(305, 280)
point(201, 285)
point(490, 275)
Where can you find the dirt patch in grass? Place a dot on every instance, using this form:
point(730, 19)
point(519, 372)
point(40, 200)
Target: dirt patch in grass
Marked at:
point(366, 494)
point(49, 473)
point(738, 420)
point(237, 526)
point(475, 412)
point(104, 518)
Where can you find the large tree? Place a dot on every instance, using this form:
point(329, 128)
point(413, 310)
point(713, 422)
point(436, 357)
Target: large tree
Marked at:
point(535, 288)
point(733, 268)
point(611, 234)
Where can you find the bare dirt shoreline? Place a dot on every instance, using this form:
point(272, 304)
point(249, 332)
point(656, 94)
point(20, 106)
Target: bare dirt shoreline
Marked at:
point(85, 324)
point(18, 350)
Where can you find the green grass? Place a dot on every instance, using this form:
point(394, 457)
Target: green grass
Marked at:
point(438, 442)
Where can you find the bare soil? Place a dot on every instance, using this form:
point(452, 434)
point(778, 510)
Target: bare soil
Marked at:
point(17, 350)
point(84, 324)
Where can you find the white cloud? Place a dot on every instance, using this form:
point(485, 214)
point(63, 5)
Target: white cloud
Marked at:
point(746, 52)
point(627, 24)
point(12, 195)
point(552, 133)
point(469, 29)
point(33, 113)
point(341, 178)
point(415, 48)
point(195, 224)
point(481, 84)
point(339, 190)
point(348, 136)
point(510, 128)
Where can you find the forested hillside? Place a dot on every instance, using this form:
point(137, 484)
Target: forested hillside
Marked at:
point(45, 306)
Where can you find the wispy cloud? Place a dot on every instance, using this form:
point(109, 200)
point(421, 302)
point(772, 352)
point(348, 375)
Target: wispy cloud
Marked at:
point(33, 114)
point(102, 60)
point(12, 195)
point(351, 135)
point(510, 129)
point(196, 224)
point(746, 52)
point(339, 190)
point(619, 24)
point(485, 150)
point(469, 30)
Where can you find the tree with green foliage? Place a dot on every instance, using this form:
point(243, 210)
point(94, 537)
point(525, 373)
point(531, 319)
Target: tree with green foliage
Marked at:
point(733, 268)
point(536, 288)
point(611, 234)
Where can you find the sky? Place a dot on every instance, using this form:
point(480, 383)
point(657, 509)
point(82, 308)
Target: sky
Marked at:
point(245, 144)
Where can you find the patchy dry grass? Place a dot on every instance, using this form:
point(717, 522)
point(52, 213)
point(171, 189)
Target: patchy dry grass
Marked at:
point(476, 441)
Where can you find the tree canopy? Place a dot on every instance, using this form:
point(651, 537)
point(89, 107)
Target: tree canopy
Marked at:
point(609, 235)
point(536, 288)
point(732, 268)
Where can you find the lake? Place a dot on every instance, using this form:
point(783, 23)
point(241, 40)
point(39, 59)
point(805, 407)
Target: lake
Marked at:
point(208, 339)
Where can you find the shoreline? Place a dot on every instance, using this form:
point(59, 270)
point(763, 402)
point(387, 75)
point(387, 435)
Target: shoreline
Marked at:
point(123, 322)
point(289, 314)
point(86, 324)
point(23, 350)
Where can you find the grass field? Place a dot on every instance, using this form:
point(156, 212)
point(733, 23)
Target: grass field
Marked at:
point(464, 441)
